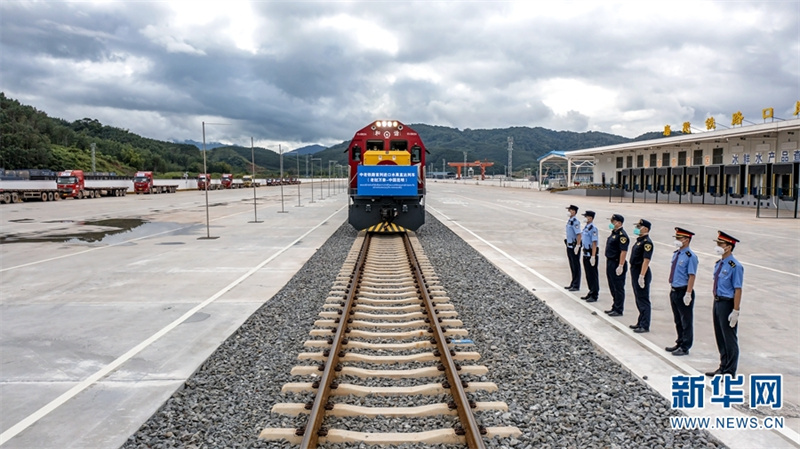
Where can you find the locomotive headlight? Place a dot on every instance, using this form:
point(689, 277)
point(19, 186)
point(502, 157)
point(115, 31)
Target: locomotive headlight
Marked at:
point(394, 124)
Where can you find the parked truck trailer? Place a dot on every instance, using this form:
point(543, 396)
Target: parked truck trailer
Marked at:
point(72, 184)
point(143, 182)
point(18, 191)
point(204, 182)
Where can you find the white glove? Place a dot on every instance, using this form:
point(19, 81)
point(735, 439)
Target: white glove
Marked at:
point(592, 261)
point(577, 249)
point(733, 318)
point(619, 270)
point(687, 299)
point(641, 281)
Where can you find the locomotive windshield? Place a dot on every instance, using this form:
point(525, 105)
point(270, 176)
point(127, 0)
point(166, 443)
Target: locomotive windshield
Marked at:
point(399, 145)
point(374, 145)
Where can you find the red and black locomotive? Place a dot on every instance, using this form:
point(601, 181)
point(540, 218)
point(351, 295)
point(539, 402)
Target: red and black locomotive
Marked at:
point(387, 176)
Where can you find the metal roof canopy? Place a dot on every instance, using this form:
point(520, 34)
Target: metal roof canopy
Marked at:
point(565, 162)
point(742, 131)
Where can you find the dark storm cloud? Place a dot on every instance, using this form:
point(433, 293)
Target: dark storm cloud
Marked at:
point(306, 72)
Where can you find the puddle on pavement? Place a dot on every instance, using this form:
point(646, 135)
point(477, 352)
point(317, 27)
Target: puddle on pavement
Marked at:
point(116, 230)
point(197, 317)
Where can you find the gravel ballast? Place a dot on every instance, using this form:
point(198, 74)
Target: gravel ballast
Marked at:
point(560, 390)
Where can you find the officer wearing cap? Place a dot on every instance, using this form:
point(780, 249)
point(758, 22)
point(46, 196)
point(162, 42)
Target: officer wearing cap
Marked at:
point(616, 265)
point(573, 248)
point(588, 243)
point(682, 274)
point(728, 278)
point(641, 276)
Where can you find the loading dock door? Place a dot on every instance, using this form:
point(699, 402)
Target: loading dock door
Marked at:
point(785, 181)
point(636, 179)
point(649, 175)
point(694, 180)
point(662, 179)
point(678, 185)
point(757, 184)
point(715, 184)
point(625, 179)
point(734, 179)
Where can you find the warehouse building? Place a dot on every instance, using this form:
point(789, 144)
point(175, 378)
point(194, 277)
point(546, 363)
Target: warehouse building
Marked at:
point(756, 165)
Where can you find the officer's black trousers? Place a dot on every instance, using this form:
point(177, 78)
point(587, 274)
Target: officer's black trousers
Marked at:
point(592, 276)
point(616, 284)
point(642, 295)
point(727, 339)
point(574, 266)
point(683, 316)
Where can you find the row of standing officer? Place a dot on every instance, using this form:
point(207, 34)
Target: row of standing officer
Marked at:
point(727, 280)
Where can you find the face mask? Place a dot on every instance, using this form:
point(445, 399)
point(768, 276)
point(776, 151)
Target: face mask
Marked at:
point(677, 243)
point(719, 250)
point(636, 231)
point(611, 226)
point(569, 214)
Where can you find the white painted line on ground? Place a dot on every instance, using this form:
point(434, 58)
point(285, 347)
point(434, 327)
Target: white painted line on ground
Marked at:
point(89, 381)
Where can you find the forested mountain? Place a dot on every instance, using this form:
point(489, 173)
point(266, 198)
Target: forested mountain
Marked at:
point(31, 140)
point(449, 144)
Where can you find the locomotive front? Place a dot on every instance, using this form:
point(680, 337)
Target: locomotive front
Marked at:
point(387, 178)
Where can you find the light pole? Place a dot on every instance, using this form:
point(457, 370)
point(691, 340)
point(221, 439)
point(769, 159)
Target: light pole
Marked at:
point(298, 181)
point(465, 166)
point(253, 182)
point(329, 176)
point(312, 177)
point(208, 181)
point(280, 151)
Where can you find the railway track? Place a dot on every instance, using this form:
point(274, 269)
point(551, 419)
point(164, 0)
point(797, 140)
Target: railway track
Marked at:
point(387, 309)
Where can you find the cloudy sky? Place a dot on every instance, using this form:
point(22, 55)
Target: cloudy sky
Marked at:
point(303, 72)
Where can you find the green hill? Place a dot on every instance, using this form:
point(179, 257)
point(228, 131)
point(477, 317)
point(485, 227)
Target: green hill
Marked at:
point(29, 139)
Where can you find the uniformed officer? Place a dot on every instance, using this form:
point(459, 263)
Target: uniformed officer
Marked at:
point(588, 243)
point(573, 248)
point(641, 276)
point(682, 274)
point(616, 265)
point(728, 278)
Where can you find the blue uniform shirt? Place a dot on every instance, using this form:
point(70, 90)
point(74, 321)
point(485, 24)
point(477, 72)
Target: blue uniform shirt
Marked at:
point(730, 276)
point(687, 264)
point(573, 229)
point(588, 235)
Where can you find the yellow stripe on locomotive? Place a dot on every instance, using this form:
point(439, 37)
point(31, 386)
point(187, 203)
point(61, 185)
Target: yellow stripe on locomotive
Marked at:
point(391, 157)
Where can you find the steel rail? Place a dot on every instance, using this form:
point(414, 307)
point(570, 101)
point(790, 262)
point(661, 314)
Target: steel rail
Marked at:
point(317, 415)
point(467, 418)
